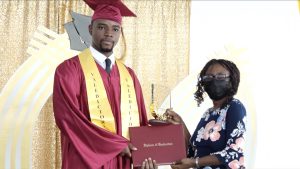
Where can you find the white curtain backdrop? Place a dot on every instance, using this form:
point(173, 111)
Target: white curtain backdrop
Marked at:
point(263, 38)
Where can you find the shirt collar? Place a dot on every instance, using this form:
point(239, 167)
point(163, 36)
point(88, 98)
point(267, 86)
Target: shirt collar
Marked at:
point(100, 58)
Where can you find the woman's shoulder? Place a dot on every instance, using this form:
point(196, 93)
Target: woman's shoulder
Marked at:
point(235, 101)
point(237, 105)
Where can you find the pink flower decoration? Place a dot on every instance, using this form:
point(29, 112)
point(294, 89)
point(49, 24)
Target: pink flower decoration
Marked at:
point(239, 143)
point(242, 161)
point(235, 164)
point(211, 131)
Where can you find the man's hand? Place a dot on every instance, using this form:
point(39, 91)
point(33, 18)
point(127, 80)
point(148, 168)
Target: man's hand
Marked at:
point(127, 151)
point(149, 164)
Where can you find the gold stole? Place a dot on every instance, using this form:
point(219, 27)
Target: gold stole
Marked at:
point(99, 106)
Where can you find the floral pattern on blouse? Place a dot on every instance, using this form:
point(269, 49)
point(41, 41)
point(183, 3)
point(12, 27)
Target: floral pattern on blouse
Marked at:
point(220, 132)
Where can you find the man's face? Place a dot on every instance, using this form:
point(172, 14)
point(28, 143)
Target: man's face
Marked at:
point(105, 35)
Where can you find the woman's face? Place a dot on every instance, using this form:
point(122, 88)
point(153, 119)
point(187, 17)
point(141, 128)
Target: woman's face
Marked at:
point(217, 82)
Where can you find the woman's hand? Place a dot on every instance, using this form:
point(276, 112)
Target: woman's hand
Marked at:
point(184, 164)
point(173, 117)
point(149, 164)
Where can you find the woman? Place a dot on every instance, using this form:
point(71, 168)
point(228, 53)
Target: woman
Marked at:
point(218, 139)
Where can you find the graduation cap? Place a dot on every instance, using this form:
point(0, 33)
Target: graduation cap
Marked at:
point(109, 9)
point(78, 30)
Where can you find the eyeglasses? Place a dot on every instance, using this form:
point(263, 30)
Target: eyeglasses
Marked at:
point(208, 78)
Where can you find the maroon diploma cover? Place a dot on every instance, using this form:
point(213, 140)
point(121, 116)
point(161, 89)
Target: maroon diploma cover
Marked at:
point(164, 144)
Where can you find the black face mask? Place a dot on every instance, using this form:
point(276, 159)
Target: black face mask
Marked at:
point(217, 89)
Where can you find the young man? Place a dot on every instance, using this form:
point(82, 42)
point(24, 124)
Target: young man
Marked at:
point(96, 98)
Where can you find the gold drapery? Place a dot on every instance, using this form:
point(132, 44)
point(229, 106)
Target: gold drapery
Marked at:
point(157, 44)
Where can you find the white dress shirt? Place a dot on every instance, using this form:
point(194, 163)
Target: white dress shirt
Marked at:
point(100, 58)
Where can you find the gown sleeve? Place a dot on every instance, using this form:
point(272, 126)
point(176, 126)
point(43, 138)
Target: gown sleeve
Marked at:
point(94, 145)
point(233, 154)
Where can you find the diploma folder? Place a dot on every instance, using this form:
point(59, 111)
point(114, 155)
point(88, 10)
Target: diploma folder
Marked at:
point(164, 144)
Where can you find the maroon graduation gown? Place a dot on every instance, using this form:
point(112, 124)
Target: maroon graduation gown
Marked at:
point(85, 145)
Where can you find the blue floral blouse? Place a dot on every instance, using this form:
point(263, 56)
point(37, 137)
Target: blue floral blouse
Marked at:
point(220, 132)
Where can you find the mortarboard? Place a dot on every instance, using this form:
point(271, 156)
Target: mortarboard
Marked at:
point(109, 9)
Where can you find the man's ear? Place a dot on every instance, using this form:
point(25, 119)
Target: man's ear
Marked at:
point(90, 28)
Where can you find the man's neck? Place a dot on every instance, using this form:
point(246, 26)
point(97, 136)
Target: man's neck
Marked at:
point(107, 54)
